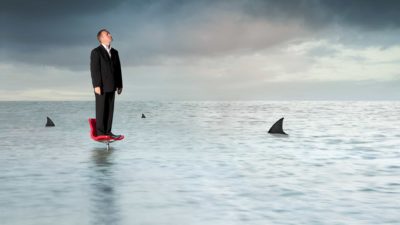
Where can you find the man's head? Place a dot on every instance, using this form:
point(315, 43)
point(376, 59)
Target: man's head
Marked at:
point(104, 37)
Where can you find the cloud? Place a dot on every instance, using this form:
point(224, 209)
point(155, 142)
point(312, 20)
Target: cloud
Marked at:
point(214, 48)
point(337, 62)
point(62, 33)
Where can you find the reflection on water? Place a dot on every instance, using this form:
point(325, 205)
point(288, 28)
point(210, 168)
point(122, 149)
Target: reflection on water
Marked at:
point(197, 163)
point(104, 208)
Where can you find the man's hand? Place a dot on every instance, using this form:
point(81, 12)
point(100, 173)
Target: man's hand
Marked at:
point(119, 90)
point(97, 90)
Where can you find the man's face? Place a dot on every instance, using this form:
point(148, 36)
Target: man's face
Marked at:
point(105, 37)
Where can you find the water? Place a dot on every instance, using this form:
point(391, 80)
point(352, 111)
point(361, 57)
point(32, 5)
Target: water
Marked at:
point(202, 163)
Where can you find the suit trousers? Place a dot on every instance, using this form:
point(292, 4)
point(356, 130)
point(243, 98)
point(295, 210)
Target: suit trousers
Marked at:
point(104, 112)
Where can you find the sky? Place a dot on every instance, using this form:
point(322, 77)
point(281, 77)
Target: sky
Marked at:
point(204, 49)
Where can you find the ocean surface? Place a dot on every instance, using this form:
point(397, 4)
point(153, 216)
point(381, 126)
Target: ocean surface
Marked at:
point(203, 163)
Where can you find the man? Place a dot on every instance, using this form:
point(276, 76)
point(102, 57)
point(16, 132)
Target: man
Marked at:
point(105, 69)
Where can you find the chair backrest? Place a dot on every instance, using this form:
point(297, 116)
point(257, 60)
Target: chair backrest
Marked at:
point(92, 124)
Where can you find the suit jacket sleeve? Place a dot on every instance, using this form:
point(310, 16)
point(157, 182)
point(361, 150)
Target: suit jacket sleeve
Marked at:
point(119, 73)
point(95, 69)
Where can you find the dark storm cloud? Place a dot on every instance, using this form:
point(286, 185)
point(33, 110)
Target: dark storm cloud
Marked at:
point(38, 23)
point(368, 14)
point(48, 20)
point(60, 33)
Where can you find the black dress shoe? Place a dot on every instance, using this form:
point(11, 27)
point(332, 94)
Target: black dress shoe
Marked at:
point(115, 136)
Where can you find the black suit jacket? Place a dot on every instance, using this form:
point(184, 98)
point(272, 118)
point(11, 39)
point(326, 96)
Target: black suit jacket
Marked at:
point(105, 71)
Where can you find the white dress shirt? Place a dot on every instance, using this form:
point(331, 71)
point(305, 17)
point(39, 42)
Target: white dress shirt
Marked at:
point(108, 49)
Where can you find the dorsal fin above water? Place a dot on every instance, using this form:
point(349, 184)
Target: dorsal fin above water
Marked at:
point(143, 116)
point(49, 123)
point(277, 128)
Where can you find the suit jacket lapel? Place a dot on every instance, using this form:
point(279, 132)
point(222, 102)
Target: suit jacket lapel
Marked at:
point(104, 52)
point(112, 52)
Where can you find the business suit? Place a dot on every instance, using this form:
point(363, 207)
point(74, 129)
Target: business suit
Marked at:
point(106, 74)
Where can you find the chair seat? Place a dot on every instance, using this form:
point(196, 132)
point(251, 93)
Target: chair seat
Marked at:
point(101, 138)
